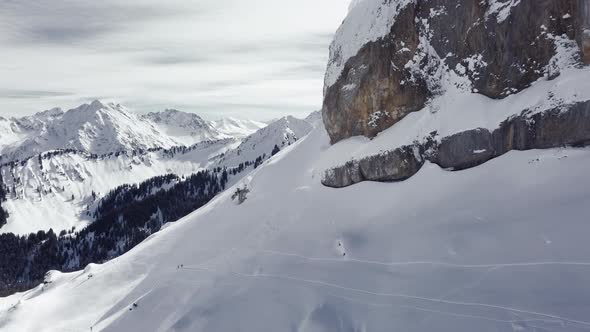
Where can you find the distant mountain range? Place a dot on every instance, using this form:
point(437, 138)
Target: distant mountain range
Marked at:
point(57, 165)
point(100, 128)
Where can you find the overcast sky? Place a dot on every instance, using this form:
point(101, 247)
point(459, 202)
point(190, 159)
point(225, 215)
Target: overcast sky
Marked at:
point(246, 58)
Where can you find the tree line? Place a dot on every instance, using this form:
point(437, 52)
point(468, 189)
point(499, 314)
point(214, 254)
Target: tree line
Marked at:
point(126, 216)
point(3, 213)
point(167, 152)
point(122, 219)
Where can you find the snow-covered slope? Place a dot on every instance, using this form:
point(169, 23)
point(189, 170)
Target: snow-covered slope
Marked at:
point(57, 194)
point(189, 128)
point(428, 254)
point(95, 128)
point(237, 127)
point(281, 133)
point(8, 134)
point(103, 128)
point(41, 195)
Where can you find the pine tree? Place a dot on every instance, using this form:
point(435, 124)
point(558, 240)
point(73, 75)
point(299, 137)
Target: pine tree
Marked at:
point(275, 150)
point(2, 189)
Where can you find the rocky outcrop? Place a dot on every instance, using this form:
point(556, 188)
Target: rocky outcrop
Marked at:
point(585, 35)
point(500, 46)
point(372, 93)
point(568, 125)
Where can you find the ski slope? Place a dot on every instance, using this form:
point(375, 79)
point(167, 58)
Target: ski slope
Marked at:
point(499, 247)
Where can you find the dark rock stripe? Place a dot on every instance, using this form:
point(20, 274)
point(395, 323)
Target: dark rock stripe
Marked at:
point(567, 125)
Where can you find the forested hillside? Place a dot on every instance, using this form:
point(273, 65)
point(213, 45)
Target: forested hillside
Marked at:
point(122, 219)
point(3, 213)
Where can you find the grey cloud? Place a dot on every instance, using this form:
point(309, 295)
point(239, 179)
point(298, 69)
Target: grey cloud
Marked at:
point(105, 48)
point(67, 22)
point(28, 94)
point(64, 34)
point(215, 110)
point(174, 56)
point(312, 52)
point(312, 70)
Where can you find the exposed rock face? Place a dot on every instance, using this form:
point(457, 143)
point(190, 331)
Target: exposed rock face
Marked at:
point(585, 36)
point(500, 46)
point(566, 125)
point(465, 149)
point(372, 94)
point(396, 165)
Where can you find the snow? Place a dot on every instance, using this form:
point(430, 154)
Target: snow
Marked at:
point(367, 20)
point(498, 247)
point(102, 128)
point(96, 128)
point(315, 118)
point(501, 9)
point(8, 135)
point(189, 128)
point(237, 127)
point(458, 110)
point(76, 174)
point(282, 133)
point(430, 253)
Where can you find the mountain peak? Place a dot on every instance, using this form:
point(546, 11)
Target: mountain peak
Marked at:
point(172, 111)
point(97, 104)
point(92, 107)
point(190, 128)
point(50, 113)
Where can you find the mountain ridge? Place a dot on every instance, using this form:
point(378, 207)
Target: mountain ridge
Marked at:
point(55, 188)
point(101, 128)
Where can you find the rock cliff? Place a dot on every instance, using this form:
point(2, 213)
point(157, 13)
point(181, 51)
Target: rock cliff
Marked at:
point(567, 125)
point(390, 57)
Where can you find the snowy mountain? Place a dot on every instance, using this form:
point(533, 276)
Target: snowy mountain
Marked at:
point(94, 148)
point(454, 84)
point(108, 225)
point(280, 133)
point(94, 128)
point(40, 189)
point(390, 59)
point(237, 127)
point(446, 190)
point(189, 128)
point(55, 189)
point(103, 128)
point(430, 253)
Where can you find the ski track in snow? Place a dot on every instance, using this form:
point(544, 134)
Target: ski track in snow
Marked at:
point(441, 300)
point(263, 260)
point(352, 300)
point(173, 272)
point(392, 295)
point(444, 264)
